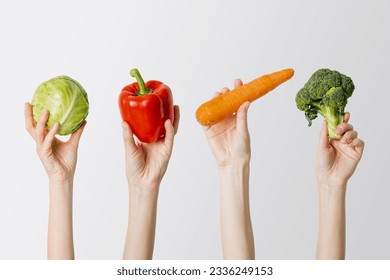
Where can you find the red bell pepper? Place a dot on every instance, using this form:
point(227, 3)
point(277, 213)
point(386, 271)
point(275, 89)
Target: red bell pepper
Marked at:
point(146, 107)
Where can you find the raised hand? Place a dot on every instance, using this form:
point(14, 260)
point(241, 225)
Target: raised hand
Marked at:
point(229, 139)
point(58, 158)
point(338, 159)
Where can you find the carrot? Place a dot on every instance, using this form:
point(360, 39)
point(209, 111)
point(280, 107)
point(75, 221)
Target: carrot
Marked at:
point(222, 106)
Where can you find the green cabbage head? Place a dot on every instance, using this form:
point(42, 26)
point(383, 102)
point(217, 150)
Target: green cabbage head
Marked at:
point(66, 101)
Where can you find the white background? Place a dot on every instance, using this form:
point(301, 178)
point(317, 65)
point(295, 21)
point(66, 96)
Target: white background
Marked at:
point(196, 47)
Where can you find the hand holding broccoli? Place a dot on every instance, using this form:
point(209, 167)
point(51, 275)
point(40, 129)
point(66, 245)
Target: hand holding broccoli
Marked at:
point(337, 160)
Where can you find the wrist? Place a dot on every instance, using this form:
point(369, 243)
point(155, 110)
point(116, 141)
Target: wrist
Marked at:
point(332, 186)
point(331, 196)
point(60, 185)
point(235, 176)
point(331, 191)
point(60, 193)
point(331, 179)
point(142, 199)
point(143, 189)
point(233, 165)
point(61, 179)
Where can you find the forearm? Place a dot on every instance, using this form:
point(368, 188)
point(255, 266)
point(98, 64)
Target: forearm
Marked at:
point(236, 225)
point(141, 229)
point(60, 232)
point(331, 234)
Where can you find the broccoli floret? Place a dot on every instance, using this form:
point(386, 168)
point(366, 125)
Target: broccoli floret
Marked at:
point(326, 92)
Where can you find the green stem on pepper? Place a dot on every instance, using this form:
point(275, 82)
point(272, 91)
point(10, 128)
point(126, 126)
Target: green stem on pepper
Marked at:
point(142, 88)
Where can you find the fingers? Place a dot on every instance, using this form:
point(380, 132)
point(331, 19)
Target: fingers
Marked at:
point(28, 119)
point(169, 134)
point(128, 139)
point(225, 90)
point(348, 137)
point(237, 83)
point(358, 144)
point(242, 118)
point(38, 131)
point(48, 140)
point(217, 93)
point(324, 140)
point(343, 127)
point(176, 121)
point(41, 127)
point(75, 137)
point(347, 116)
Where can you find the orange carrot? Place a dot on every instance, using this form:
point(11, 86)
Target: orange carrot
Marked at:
point(222, 106)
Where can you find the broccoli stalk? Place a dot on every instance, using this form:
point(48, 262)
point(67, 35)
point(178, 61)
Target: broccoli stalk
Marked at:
point(326, 93)
point(333, 118)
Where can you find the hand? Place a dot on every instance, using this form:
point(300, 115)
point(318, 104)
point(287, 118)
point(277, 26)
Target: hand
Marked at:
point(229, 139)
point(146, 163)
point(337, 159)
point(230, 143)
point(58, 158)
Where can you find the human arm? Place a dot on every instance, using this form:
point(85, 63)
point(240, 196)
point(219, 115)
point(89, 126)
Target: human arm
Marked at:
point(336, 163)
point(146, 165)
point(229, 142)
point(59, 160)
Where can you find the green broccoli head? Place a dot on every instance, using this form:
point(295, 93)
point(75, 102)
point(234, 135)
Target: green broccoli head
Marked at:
point(326, 93)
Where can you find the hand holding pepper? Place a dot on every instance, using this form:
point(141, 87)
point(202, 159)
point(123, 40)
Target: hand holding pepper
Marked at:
point(146, 107)
point(146, 164)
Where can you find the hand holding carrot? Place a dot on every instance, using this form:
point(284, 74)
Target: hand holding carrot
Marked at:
point(229, 139)
point(230, 143)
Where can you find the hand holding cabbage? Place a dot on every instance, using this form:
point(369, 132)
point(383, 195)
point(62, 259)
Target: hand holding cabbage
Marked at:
point(60, 106)
point(58, 157)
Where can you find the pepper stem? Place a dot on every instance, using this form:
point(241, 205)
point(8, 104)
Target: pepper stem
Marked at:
point(142, 88)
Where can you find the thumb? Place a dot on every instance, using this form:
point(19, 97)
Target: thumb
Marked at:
point(75, 137)
point(242, 118)
point(169, 135)
point(324, 140)
point(128, 139)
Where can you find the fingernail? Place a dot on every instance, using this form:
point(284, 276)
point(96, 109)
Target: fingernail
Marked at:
point(124, 126)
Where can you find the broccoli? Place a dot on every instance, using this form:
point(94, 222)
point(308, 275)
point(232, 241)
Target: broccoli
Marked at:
point(326, 92)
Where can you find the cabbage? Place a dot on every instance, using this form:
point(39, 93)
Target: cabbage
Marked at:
point(66, 101)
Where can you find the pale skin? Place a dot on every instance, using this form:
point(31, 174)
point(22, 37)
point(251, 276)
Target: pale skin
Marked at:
point(336, 163)
point(146, 165)
point(229, 142)
point(59, 161)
